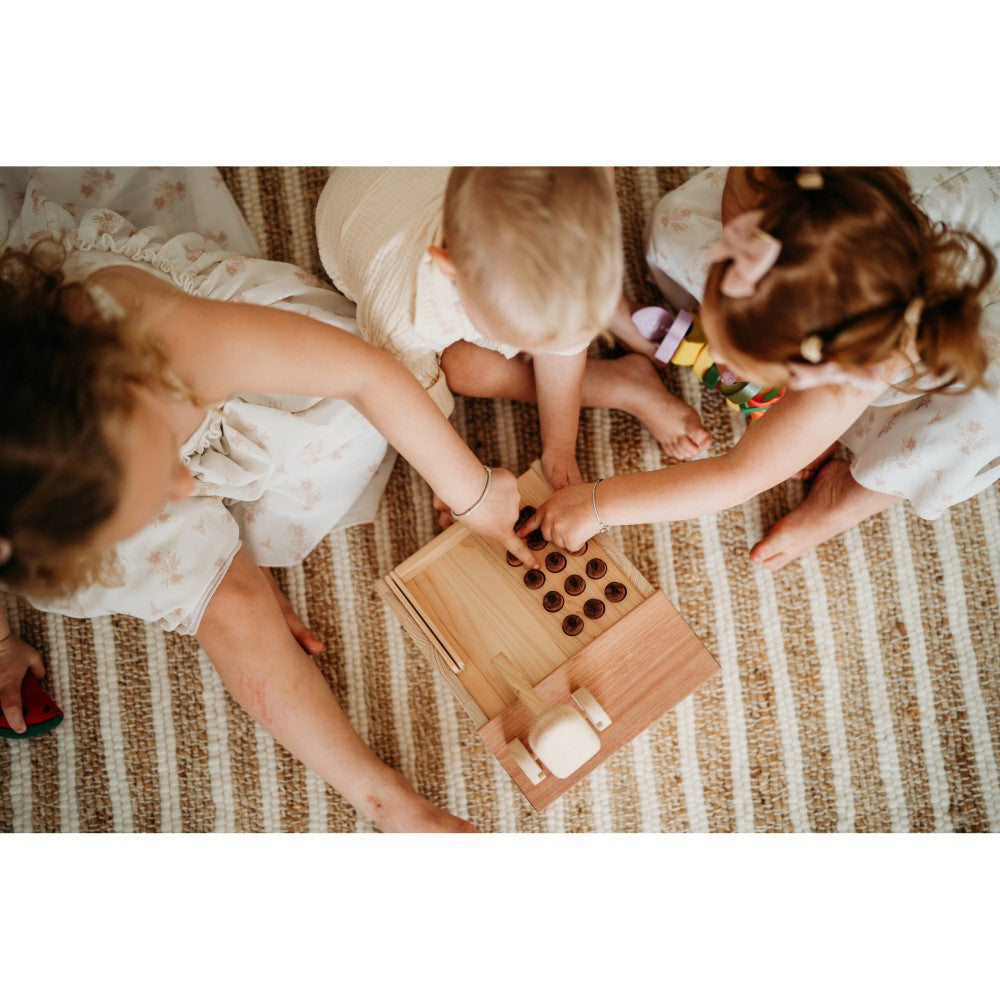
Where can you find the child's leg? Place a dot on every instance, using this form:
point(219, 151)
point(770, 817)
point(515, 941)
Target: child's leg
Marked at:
point(304, 636)
point(834, 503)
point(245, 635)
point(629, 383)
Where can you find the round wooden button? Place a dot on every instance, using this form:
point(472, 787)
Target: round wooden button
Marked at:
point(572, 625)
point(596, 568)
point(615, 591)
point(536, 540)
point(523, 516)
point(552, 601)
point(575, 584)
point(593, 608)
point(512, 560)
point(533, 579)
point(555, 562)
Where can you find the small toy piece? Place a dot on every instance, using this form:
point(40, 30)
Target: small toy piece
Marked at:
point(553, 601)
point(555, 562)
point(682, 341)
point(40, 712)
point(560, 737)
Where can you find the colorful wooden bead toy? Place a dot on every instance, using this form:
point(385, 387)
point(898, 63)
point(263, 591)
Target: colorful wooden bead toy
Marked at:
point(681, 341)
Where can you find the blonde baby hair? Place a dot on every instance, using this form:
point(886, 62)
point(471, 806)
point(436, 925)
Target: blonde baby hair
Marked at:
point(537, 250)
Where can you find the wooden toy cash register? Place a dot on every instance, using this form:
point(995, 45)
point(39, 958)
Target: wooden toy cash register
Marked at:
point(558, 667)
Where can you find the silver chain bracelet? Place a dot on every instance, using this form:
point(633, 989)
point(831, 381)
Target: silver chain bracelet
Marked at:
point(593, 500)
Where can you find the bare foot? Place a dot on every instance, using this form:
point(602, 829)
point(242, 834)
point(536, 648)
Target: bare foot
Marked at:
point(403, 810)
point(303, 636)
point(807, 472)
point(673, 423)
point(834, 503)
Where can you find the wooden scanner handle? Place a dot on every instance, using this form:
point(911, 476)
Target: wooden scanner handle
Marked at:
point(518, 680)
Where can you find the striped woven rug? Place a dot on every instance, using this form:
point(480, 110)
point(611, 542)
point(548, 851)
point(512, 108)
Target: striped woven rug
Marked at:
point(859, 689)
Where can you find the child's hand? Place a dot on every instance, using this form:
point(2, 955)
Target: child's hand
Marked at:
point(560, 469)
point(496, 516)
point(566, 518)
point(16, 658)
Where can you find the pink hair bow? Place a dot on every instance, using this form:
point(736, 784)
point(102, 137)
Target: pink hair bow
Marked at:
point(752, 251)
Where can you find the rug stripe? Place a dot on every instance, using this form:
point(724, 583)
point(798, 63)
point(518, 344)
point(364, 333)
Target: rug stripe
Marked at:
point(774, 644)
point(58, 677)
point(982, 745)
point(729, 660)
point(217, 706)
point(111, 728)
point(909, 608)
point(833, 704)
point(163, 733)
point(350, 659)
point(301, 237)
point(684, 713)
point(989, 510)
point(885, 737)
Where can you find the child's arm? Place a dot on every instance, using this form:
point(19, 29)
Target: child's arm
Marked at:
point(771, 450)
point(558, 385)
point(221, 348)
point(16, 658)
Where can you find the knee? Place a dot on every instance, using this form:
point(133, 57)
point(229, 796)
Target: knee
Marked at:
point(458, 365)
point(242, 595)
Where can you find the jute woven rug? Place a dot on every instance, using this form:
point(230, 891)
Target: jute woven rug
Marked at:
point(859, 690)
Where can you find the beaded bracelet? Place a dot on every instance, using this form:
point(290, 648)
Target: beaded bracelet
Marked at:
point(482, 497)
point(593, 500)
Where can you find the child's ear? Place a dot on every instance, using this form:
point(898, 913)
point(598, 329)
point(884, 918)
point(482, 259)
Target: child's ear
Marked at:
point(443, 261)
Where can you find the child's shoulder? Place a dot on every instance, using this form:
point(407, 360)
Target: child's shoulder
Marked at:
point(133, 289)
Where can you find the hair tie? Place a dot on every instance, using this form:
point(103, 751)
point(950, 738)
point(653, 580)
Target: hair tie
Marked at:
point(809, 179)
point(811, 348)
point(752, 251)
point(6, 550)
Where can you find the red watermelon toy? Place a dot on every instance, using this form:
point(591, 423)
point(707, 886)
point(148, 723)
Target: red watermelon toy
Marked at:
point(40, 712)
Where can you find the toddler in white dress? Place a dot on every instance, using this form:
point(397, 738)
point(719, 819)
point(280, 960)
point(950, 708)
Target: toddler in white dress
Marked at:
point(492, 282)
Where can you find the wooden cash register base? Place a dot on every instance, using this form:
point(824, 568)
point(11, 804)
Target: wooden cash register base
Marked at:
point(463, 603)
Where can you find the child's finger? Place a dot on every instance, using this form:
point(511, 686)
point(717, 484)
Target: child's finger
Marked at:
point(529, 524)
point(36, 666)
point(517, 548)
point(10, 703)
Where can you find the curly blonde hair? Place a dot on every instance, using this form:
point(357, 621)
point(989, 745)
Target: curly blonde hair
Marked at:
point(539, 249)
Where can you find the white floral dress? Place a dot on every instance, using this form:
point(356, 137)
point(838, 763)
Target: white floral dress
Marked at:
point(272, 472)
point(934, 449)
